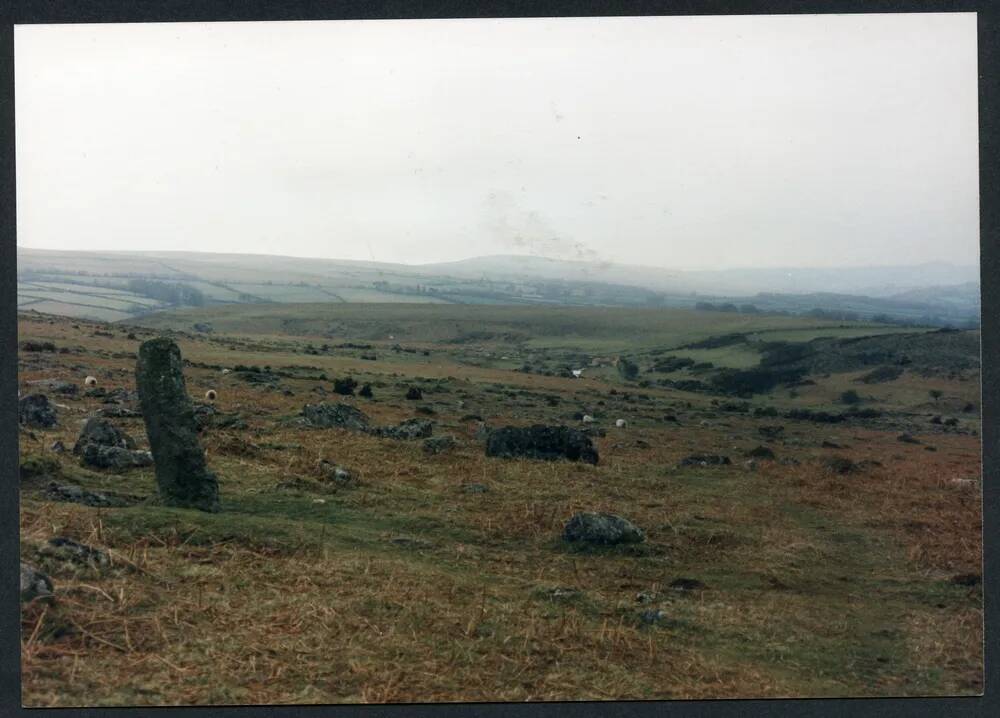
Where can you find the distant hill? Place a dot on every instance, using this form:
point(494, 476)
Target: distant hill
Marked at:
point(118, 285)
point(870, 281)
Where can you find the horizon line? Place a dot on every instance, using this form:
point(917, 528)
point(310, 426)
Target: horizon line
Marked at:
point(594, 263)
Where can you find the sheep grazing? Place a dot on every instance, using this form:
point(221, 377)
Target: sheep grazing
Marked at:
point(577, 373)
point(90, 381)
point(621, 423)
point(225, 371)
point(588, 419)
point(210, 395)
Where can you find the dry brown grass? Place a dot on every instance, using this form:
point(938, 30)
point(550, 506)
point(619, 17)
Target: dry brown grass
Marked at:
point(407, 588)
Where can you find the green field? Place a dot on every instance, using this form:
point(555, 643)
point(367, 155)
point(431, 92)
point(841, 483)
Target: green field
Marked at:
point(598, 329)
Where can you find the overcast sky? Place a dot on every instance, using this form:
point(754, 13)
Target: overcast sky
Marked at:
point(677, 142)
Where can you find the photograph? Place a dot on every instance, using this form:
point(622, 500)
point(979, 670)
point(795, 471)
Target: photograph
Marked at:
point(498, 360)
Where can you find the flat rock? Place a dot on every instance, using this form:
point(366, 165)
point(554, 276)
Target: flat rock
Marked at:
point(602, 528)
point(705, 460)
point(548, 443)
point(114, 457)
point(342, 416)
point(406, 430)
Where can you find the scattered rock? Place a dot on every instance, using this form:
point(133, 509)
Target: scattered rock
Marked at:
point(908, 439)
point(602, 528)
point(58, 447)
point(77, 495)
point(483, 431)
point(29, 346)
point(342, 416)
point(687, 584)
point(771, 432)
point(181, 473)
point(411, 542)
point(101, 432)
point(34, 584)
point(705, 460)
point(761, 452)
point(652, 617)
point(114, 411)
point(34, 410)
point(547, 443)
point(67, 550)
point(560, 593)
point(967, 579)
point(337, 474)
point(827, 444)
point(114, 457)
point(344, 386)
point(438, 444)
point(405, 430)
point(841, 465)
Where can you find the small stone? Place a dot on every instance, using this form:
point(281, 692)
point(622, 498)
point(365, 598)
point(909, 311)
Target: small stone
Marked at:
point(687, 584)
point(66, 549)
point(34, 584)
point(602, 528)
point(761, 452)
point(967, 579)
point(406, 430)
point(652, 617)
point(439, 444)
point(705, 460)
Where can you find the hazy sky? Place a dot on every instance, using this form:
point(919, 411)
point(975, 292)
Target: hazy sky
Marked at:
point(680, 142)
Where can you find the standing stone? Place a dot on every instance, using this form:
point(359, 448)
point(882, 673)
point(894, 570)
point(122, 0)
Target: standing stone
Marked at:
point(181, 474)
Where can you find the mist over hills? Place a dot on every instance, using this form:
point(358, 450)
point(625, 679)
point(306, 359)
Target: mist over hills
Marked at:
point(869, 281)
point(117, 285)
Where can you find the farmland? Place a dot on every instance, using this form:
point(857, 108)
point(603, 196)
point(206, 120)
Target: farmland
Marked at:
point(847, 562)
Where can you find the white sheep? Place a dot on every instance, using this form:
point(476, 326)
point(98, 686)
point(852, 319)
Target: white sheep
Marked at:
point(210, 395)
point(90, 381)
point(577, 373)
point(225, 371)
point(588, 419)
point(621, 423)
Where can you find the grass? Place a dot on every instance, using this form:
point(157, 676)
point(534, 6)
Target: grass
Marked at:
point(410, 588)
